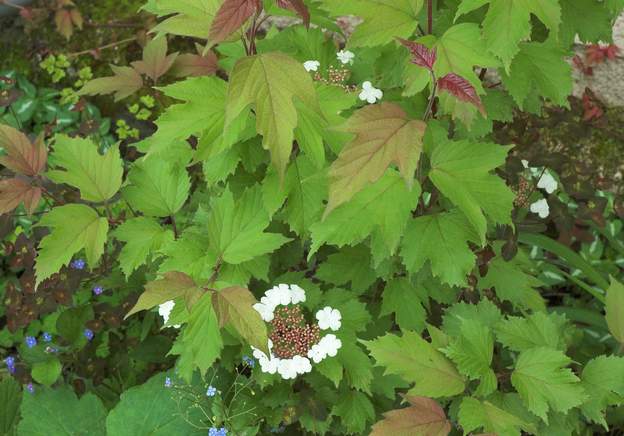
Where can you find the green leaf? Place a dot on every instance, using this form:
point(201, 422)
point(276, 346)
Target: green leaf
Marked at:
point(307, 188)
point(380, 210)
point(485, 312)
point(355, 411)
point(236, 228)
point(383, 19)
point(87, 230)
point(173, 285)
point(442, 239)
point(357, 366)
point(614, 308)
point(539, 67)
point(543, 382)
point(589, 19)
point(270, 82)
point(351, 264)
point(142, 236)
point(125, 82)
point(474, 414)
point(461, 171)
point(46, 372)
point(10, 398)
point(97, 176)
point(59, 412)
point(535, 330)
point(184, 17)
point(508, 22)
point(603, 380)
point(472, 352)
point(200, 343)
point(416, 361)
point(157, 188)
point(234, 305)
point(404, 300)
point(71, 323)
point(150, 409)
point(384, 134)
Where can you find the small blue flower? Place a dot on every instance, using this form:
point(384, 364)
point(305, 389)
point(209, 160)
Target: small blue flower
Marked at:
point(47, 337)
point(222, 431)
point(88, 333)
point(249, 361)
point(77, 264)
point(212, 391)
point(213, 431)
point(168, 382)
point(30, 388)
point(30, 341)
point(97, 290)
point(10, 363)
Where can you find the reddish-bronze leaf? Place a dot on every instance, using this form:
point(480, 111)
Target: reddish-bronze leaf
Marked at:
point(63, 21)
point(421, 54)
point(155, 62)
point(230, 17)
point(189, 64)
point(384, 134)
point(298, 7)
point(23, 156)
point(462, 89)
point(15, 191)
point(424, 417)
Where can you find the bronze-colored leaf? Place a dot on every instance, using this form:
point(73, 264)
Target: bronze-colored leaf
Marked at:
point(190, 65)
point(23, 157)
point(230, 17)
point(15, 191)
point(298, 7)
point(424, 417)
point(125, 82)
point(155, 62)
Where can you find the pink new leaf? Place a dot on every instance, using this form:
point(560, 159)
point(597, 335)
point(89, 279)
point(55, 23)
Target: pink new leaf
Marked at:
point(230, 17)
point(421, 54)
point(462, 89)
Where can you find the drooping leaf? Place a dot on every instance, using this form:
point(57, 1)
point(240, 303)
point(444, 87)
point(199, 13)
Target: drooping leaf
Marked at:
point(269, 82)
point(125, 82)
point(355, 411)
point(403, 299)
point(79, 164)
point(142, 236)
point(423, 417)
point(508, 22)
point(474, 414)
point(155, 62)
point(416, 361)
point(87, 231)
point(58, 411)
point(614, 308)
point(306, 188)
point(234, 305)
point(603, 380)
point(422, 55)
point(461, 89)
point(230, 17)
point(16, 191)
point(543, 381)
point(22, 155)
point(383, 135)
point(157, 188)
point(442, 239)
point(150, 409)
point(461, 171)
point(173, 285)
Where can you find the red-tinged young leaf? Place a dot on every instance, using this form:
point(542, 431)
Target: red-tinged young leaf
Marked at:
point(155, 62)
point(76, 18)
point(172, 285)
point(230, 17)
point(23, 157)
point(63, 21)
point(298, 7)
point(234, 306)
point(125, 82)
point(192, 65)
point(421, 54)
point(15, 191)
point(424, 417)
point(383, 135)
point(462, 89)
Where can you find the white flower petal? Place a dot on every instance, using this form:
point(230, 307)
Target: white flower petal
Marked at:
point(547, 182)
point(541, 208)
point(297, 294)
point(345, 56)
point(311, 65)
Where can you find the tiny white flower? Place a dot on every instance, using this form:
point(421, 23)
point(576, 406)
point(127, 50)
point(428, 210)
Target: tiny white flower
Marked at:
point(370, 93)
point(330, 344)
point(265, 311)
point(541, 208)
point(311, 65)
point(165, 309)
point(525, 163)
point(302, 364)
point(547, 182)
point(317, 353)
point(279, 295)
point(287, 369)
point(329, 318)
point(345, 56)
point(269, 366)
point(297, 295)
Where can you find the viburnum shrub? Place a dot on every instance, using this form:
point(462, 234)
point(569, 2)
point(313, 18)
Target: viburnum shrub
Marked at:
point(326, 227)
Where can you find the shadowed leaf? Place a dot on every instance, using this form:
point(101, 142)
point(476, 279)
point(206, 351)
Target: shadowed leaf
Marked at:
point(15, 191)
point(23, 156)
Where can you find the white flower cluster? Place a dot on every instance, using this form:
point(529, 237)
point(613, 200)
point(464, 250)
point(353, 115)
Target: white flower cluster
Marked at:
point(546, 182)
point(280, 295)
point(328, 318)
